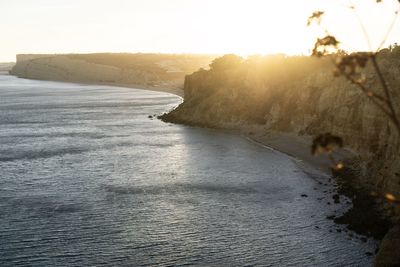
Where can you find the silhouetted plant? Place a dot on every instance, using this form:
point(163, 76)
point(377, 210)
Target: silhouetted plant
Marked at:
point(325, 46)
point(350, 66)
point(327, 143)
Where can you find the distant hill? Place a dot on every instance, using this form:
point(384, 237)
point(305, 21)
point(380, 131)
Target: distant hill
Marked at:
point(141, 70)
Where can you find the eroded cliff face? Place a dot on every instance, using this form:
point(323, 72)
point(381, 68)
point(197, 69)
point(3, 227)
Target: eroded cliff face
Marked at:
point(300, 95)
point(148, 70)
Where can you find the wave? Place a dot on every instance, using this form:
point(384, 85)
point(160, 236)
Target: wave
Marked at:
point(171, 189)
point(32, 155)
point(12, 155)
point(44, 205)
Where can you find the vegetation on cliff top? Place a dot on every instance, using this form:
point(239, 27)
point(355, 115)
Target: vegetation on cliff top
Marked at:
point(157, 63)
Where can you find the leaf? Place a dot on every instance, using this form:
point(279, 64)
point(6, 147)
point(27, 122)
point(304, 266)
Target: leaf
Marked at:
point(325, 46)
point(326, 143)
point(315, 17)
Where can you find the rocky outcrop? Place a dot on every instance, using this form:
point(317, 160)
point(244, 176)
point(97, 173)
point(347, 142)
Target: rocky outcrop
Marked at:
point(145, 70)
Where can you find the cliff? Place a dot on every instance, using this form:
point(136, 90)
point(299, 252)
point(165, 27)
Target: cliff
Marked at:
point(301, 96)
point(298, 95)
point(142, 70)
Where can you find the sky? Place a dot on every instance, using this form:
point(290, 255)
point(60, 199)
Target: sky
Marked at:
point(243, 27)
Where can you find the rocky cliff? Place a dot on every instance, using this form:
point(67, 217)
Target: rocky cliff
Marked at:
point(299, 95)
point(145, 70)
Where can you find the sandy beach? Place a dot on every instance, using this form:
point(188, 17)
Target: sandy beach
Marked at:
point(298, 147)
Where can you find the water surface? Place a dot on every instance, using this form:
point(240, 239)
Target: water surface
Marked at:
point(88, 179)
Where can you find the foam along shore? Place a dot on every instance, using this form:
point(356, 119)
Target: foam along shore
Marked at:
point(171, 90)
point(174, 91)
point(298, 147)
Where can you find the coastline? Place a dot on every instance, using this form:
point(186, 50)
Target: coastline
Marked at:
point(171, 90)
point(298, 147)
point(248, 185)
point(364, 214)
point(295, 146)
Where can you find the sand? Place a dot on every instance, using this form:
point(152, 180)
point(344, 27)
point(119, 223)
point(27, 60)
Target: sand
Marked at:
point(297, 147)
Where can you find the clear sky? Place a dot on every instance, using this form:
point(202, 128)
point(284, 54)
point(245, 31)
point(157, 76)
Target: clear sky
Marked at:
point(185, 26)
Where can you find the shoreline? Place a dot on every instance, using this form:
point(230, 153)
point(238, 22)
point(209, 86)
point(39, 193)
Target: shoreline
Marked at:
point(311, 168)
point(294, 146)
point(297, 147)
point(365, 216)
point(174, 91)
point(171, 90)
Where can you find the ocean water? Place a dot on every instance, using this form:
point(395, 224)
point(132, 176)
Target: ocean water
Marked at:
point(88, 179)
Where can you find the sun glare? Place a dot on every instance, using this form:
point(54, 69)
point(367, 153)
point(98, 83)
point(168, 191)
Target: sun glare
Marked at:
point(188, 26)
point(256, 27)
point(265, 27)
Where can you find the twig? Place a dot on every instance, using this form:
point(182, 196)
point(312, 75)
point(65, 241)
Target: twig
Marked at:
point(369, 93)
point(366, 91)
point(390, 29)
point(361, 25)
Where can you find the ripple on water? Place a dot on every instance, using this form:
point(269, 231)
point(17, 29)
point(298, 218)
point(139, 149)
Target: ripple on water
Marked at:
point(87, 179)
